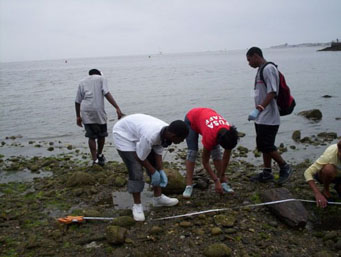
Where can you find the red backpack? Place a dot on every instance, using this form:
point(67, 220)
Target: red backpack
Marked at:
point(285, 102)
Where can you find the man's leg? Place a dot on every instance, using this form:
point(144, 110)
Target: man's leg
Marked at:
point(135, 182)
point(189, 172)
point(265, 144)
point(92, 146)
point(137, 198)
point(273, 155)
point(267, 161)
point(192, 145)
point(327, 175)
point(100, 145)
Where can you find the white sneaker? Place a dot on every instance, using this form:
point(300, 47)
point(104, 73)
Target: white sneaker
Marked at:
point(138, 212)
point(188, 192)
point(164, 201)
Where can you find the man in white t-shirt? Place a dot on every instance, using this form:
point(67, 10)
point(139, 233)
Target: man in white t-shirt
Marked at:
point(266, 117)
point(90, 111)
point(140, 139)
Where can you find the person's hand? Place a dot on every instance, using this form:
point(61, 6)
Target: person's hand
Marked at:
point(321, 200)
point(218, 187)
point(163, 178)
point(79, 121)
point(253, 115)
point(155, 178)
point(119, 113)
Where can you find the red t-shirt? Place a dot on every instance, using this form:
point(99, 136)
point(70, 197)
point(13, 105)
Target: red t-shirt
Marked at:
point(207, 123)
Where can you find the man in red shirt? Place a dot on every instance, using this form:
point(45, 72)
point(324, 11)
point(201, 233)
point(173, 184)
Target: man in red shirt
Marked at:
point(215, 132)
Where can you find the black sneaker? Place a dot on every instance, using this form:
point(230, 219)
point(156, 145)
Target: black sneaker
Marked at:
point(95, 162)
point(101, 159)
point(264, 176)
point(284, 174)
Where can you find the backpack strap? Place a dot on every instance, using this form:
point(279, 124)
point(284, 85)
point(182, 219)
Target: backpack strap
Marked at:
point(261, 71)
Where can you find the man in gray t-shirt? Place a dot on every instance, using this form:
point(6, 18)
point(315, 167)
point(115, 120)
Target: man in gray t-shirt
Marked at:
point(90, 111)
point(266, 116)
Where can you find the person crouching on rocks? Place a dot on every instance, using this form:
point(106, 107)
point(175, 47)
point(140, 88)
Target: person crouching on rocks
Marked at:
point(215, 132)
point(140, 139)
point(326, 170)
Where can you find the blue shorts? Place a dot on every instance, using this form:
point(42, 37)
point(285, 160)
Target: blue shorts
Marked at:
point(193, 146)
point(135, 170)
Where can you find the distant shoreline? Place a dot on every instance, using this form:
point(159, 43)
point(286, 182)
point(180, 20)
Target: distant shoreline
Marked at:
point(335, 46)
point(286, 45)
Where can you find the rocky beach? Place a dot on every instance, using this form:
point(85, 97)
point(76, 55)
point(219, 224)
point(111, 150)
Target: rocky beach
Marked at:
point(64, 184)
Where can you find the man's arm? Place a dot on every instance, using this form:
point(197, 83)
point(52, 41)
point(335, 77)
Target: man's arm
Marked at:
point(266, 101)
point(78, 114)
point(226, 160)
point(111, 100)
point(270, 77)
point(206, 163)
point(321, 201)
point(158, 160)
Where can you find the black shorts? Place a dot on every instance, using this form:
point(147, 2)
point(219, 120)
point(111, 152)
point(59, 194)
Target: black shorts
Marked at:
point(96, 130)
point(265, 139)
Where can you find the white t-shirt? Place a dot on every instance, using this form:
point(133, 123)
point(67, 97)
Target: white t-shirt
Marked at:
point(90, 96)
point(140, 133)
point(270, 115)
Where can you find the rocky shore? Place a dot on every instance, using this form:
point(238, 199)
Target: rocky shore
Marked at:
point(65, 184)
point(335, 46)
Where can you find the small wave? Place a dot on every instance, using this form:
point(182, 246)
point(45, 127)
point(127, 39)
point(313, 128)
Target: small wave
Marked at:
point(52, 137)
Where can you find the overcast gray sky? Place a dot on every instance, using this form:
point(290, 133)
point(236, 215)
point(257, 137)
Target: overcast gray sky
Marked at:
point(58, 29)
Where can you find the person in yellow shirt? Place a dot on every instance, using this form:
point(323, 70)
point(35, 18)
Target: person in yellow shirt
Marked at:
point(326, 170)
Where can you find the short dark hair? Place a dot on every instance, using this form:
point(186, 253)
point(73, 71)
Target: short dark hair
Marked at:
point(179, 128)
point(94, 72)
point(228, 138)
point(254, 50)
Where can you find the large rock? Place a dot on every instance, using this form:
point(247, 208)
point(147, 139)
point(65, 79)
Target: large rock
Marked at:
point(224, 220)
point(328, 136)
point(292, 213)
point(217, 250)
point(176, 182)
point(124, 221)
point(116, 235)
point(296, 135)
point(313, 114)
point(80, 179)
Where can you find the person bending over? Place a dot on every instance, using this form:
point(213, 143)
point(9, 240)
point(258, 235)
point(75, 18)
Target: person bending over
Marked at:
point(326, 170)
point(139, 140)
point(215, 132)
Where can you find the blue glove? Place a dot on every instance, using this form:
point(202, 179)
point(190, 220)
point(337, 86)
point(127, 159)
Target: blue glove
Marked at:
point(253, 115)
point(155, 181)
point(164, 179)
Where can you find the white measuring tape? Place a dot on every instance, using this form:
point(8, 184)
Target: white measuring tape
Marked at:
point(244, 206)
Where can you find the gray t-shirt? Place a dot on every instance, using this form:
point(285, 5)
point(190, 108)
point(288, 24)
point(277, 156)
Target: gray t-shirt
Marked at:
point(270, 115)
point(90, 96)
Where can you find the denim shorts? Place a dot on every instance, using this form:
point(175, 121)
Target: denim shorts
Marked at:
point(95, 130)
point(336, 180)
point(135, 170)
point(193, 146)
point(265, 137)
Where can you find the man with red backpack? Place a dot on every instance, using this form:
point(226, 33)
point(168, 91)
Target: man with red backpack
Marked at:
point(267, 116)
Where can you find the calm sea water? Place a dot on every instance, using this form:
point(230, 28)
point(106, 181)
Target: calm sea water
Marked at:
point(37, 98)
